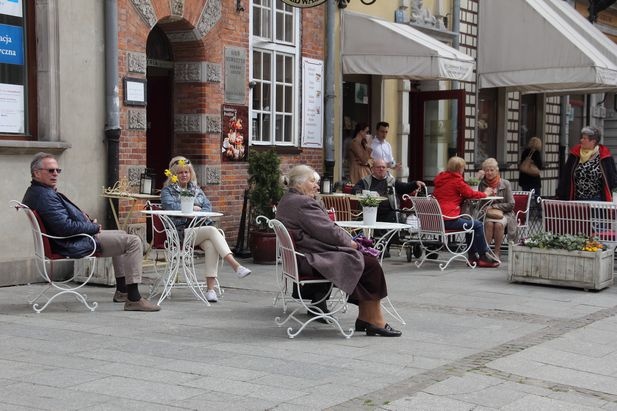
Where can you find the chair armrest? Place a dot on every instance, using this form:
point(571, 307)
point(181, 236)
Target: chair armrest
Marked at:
point(73, 236)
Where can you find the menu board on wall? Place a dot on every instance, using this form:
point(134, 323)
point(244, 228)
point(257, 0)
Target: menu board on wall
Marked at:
point(234, 143)
point(312, 103)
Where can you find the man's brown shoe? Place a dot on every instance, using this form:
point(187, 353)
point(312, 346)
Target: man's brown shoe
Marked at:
point(120, 297)
point(141, 305)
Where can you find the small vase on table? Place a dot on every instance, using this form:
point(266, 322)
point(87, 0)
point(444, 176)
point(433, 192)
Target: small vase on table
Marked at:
point(369, 215)
point(186, 204)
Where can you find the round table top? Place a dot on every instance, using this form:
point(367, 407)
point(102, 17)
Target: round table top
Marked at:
point(490, 198)
point(178, 213)
point(379, 225)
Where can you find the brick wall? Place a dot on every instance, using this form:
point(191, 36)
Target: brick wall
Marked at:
point(204, 98)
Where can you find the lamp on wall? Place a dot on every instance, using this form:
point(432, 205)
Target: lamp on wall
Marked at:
point(147, 182)
point(239, 6)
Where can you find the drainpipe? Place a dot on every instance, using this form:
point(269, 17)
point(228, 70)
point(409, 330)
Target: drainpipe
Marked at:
point(330, 94)
point(112, 103)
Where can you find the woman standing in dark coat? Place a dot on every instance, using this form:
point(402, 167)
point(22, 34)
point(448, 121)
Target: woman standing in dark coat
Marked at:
point(527, 181)
point(589, 173)
point(331, 252)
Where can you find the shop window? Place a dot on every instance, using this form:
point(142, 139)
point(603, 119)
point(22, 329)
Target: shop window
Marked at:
point(528, 126)
point(275, 55)
point(17, 71)
point(486, 143)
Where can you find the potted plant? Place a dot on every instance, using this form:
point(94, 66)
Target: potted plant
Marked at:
point(473, 182)
point(566, 260)
point(369, 205)
point(265, 191)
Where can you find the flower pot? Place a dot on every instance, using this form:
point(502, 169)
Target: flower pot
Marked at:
point(263, 247)
point(186, 204)
point(580, 269)
point(369, 215)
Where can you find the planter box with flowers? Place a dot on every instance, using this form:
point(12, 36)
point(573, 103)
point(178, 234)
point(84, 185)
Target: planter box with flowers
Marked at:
point(564, 260)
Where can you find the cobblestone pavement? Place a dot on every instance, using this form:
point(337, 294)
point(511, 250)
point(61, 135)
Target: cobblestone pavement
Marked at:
point(472, 341)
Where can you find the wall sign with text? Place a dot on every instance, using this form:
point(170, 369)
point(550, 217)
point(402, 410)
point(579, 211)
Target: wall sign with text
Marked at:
point(11, 44)
point(303, 3)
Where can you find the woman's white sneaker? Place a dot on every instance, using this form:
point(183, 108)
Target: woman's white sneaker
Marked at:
point(211, 296)
point(242, 271)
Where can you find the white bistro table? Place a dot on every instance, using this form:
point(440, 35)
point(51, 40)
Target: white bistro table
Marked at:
point(479, 208)
point(180, 254)
point(380, 244)
point(368, 229)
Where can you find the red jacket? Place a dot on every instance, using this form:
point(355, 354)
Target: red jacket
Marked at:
point(451, 190)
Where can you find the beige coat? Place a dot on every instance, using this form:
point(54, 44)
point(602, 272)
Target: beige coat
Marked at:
point(325, 245)
point(359, 159)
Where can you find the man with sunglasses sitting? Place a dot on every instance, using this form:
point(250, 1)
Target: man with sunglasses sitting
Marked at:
point(61, 217)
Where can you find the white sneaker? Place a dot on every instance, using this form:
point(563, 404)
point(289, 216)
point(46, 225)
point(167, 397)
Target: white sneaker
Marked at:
point(211, 296)
point(242, 271)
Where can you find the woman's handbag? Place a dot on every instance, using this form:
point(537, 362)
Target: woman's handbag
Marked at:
point(494, 213)
point(529, 167)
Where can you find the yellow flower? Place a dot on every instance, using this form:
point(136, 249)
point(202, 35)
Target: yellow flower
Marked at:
point(168, 173)
point(173, 179)
point(181, 163)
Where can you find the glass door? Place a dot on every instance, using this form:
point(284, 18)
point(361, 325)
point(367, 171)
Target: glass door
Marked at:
point(437, 131)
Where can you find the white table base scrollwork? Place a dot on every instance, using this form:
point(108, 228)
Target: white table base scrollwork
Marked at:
point(180, 255)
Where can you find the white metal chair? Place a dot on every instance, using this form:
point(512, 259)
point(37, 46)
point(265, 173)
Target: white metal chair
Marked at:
point(288, 276)
point(434, 237)
point(597, 219)
point(522, 206)
point(341, 205)
point(45, 258)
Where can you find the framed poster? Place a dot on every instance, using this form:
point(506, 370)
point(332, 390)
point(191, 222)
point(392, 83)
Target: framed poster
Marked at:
point(134, 91)
point(312, 103)
point(234, 141)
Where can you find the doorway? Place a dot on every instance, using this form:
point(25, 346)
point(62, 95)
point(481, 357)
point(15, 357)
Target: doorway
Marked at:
point(159, 113)
point(437, 131)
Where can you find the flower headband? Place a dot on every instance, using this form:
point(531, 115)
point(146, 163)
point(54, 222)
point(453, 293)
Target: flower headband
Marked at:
point(181, 162)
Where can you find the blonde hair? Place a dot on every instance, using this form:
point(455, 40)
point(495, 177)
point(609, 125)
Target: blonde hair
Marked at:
point(456, 164)
point(490, 162)
point(535, 143)
point(298, 175)
point(175, 167)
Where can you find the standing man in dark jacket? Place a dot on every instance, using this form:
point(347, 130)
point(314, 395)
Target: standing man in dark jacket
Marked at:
point(61, 217)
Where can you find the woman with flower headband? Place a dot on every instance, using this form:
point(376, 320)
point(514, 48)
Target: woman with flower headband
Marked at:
point(181, 178)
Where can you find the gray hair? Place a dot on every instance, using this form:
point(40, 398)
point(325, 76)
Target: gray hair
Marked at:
point(38, 158)
point(593, 133)
point(298, 175)
point(490, 162)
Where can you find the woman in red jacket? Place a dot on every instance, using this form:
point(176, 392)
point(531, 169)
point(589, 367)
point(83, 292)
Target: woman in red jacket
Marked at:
point(450, 191)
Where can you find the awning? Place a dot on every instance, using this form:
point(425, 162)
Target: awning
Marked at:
point(543, 46)
point(374, 46)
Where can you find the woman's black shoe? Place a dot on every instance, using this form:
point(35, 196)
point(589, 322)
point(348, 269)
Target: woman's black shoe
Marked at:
point(386, 331)
point(361, 325)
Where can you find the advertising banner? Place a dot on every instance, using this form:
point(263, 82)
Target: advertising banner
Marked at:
point(11, 45)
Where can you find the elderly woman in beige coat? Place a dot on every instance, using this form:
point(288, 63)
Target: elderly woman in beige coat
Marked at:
point(496, 228)
point(331, 252)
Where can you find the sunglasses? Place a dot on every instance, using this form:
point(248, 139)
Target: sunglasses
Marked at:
point(51, 170)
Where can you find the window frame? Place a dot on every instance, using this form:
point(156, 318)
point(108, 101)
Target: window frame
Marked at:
point(30, 86)
point(272, 47)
